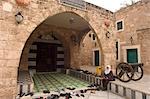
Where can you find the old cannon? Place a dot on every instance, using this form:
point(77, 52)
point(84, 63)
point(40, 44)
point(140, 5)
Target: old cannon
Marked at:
point(129, 71)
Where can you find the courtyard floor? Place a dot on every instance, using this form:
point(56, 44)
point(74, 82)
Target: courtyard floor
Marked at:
point(56, 82)
point(142, 85)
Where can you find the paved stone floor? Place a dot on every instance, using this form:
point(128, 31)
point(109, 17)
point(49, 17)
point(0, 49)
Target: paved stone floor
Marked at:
point(142, 85)
point(55, 82)
point(88, 95)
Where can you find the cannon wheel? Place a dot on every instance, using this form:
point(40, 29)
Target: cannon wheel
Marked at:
point(138, 73)
point(124, 72)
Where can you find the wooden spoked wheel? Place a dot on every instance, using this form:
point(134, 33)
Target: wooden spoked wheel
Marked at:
point(124, 72)
point(138, 72)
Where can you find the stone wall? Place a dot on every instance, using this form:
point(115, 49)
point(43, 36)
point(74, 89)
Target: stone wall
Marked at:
point(144, 41)
point(97, 20)
point(86, 49)
point(13, 36)
point(135, 17)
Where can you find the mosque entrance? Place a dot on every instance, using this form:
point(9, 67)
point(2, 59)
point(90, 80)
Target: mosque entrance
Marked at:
point(46, 54)
point(46, 57)
point(58, 43)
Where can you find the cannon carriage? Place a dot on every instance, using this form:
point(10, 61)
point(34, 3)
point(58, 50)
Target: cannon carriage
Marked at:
point(129, 71)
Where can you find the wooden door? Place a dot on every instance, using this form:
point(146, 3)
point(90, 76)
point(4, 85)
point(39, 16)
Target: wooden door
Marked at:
point(46, 57)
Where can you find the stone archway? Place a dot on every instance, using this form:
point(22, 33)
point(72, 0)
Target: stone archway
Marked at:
point(30, 54)
point(32, 39)
point(70, 36)
point(69, 31)
point(14, 38)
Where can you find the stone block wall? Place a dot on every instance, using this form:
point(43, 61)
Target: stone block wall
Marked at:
point(13, 36)
point(144, 41)
point(135, 18)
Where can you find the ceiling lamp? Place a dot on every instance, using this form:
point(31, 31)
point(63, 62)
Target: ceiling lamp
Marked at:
point(71, 20)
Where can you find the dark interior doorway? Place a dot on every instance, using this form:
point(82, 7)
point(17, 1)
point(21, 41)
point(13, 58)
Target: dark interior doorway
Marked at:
point(96, 58)
point(46, 57)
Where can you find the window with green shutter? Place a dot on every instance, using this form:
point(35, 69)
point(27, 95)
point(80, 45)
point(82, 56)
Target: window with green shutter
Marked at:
point(132, 56)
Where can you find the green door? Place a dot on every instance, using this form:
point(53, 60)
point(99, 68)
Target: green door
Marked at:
point(96, 56)
point(132, 56)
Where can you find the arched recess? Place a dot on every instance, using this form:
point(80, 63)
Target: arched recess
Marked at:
point(97, 43)
point(32, 40)
point(69, 28)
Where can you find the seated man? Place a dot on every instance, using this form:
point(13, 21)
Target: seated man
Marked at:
point(107, 76)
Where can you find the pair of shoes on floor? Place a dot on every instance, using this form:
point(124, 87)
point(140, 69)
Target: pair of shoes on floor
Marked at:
point(21, 94)
point(71, 88)
point(104, 89)
point(46, 91)
point(91, 85)
point(30, 93)
point(67, 95)
point(39, 98)
point(83, 91)
point(53, 96)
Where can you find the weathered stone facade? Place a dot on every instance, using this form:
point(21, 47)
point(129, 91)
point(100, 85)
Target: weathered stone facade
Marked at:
point(16, 39)
point(135, 34)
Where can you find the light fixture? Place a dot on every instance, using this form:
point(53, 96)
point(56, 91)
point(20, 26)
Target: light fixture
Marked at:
point(131, 40)
point(71, 20)
point(74, 39)
point(107, 23)
point(108, 34)
point(19, 17)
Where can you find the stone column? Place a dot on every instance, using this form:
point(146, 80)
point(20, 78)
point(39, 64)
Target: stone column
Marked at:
point(10, 51)
point(9, 62)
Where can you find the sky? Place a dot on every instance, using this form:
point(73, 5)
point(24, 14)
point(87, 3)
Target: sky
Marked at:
point(111, 5)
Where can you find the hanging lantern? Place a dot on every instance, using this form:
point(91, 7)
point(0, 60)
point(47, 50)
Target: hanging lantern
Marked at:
point(107, 23)
point(19, 17)
point(23, 2)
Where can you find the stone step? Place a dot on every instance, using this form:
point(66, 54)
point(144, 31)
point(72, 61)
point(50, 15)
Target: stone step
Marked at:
point(127, 92)
point(25, 83)
point(116, 88)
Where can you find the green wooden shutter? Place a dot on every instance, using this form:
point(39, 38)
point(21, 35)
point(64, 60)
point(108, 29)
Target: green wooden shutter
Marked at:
point(132, 56)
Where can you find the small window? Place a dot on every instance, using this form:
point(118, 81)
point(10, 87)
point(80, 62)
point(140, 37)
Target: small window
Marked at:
point(117, 55)
point(132, 55)
point(96, 57)
point(90, 35)
point(94, 37)
point(120, 25)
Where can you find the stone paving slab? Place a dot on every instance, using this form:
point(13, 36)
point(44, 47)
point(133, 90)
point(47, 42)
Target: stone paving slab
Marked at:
point(88, 95)
point(59, 78)
point(142, 85)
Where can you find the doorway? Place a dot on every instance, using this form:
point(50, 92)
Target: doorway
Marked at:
point(96, 58)
point(46, 57)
